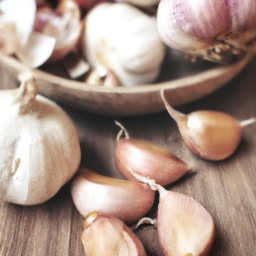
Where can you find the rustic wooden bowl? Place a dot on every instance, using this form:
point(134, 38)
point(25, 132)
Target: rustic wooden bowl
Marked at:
point(183, 82)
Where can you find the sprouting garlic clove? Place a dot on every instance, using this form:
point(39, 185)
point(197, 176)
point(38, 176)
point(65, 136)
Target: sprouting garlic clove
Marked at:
point(184, 226)
point(221, 31)
point(208, 134)
point(63, 24)
point(39, 145)
point(125, 41)
point(144, 161)
point(105, 235)
point(125, 200)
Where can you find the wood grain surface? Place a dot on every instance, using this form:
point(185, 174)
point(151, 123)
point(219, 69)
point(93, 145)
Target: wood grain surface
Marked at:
point(226, 189)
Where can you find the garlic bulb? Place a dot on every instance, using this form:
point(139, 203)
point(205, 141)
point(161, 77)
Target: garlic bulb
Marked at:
point(124, 40)
point(39, 145)
point(215, 30)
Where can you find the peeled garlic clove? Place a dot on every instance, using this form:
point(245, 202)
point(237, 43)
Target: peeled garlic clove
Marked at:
point(125, 41)
point(220, 31)
point(63, 24)
point(105, 235)
point(39, 145)
point(208, 134)
point(144, 161)
point(184, 227)
point(125, 200)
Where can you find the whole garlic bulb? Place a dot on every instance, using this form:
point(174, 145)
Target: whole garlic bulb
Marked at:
point(124, 40)
point(39, 145)
point(221, 31)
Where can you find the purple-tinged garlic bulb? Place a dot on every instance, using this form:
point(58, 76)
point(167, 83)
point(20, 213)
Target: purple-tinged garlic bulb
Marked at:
point(222, 31)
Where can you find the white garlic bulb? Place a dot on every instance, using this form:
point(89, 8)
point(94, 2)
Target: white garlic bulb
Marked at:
point(124, 40)
point(39, 146)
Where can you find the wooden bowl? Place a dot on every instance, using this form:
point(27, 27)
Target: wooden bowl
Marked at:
point(183, 82)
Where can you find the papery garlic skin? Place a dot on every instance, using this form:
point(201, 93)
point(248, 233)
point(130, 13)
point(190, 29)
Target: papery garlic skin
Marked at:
point(108, 236)
point(39, 147)
point(126, 200)
point(63, 24)
point(17, 35)
point(125, 40)
point(22, 13)
point(221, 31)
point(184, 226)
point(142, 160)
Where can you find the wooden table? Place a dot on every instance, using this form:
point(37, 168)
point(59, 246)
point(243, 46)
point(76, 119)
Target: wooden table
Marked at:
point(227, 189)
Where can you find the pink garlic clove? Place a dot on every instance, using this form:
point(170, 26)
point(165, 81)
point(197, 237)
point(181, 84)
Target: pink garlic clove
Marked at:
point(184, 226)
point(140, 160)
point(126, 200)
point(210, 135)
point(108, 236)
point(221, 31)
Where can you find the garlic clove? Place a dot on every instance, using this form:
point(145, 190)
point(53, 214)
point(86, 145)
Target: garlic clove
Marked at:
point(22, 13)
point(184, 227)
point(142, 160)
point(37, 50)
point(125, 200)
point(111, 80)
point(125, 41)
point(39, 145)
point(221, 31)
point(63, 24)
point(105, 235)
point(208, 134)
